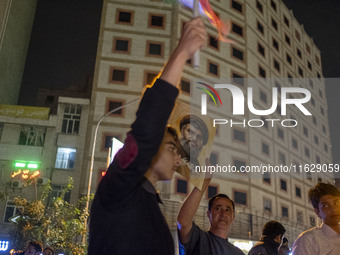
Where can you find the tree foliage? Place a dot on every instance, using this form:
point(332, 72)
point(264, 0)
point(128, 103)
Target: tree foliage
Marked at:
point(52, 221)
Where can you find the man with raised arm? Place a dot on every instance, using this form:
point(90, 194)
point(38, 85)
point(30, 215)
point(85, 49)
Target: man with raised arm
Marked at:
point(221, 213)
point(125, 216)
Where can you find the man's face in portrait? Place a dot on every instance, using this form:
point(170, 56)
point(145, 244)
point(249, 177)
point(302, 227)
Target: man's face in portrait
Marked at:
point(191, 140)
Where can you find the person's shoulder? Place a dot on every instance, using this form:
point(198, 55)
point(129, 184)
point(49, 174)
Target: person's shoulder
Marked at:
point(237, 251)
point(309, 233)
point(258, 249)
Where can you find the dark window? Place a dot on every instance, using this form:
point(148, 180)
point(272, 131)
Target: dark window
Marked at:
point(238, 79)
point(318, 160)
point(314, 120)
point(290, 78)
point(299, 53)
point(71, 119)
point(259, 6)
point(213, 68)
point(305, 131)
point(240, 198)
point(280, 133)
point(300, 71)
point(288, 58)
point(309, 65)
point(124, 17)
point(213, 158)
point(260, 49)
point(287, 39)
point(182, 186)
point(212, 191)
point(286, 21)
point(265, 148)
point(263, 96)
point(311, 83)
point(297, 35)
point(118, 75)
point(298, 191)
point(277, 65)
point(122, 45)
point(322, 110)
point(237, 29)
point(114, 105)
point(266, 177)
point(318, 74)
point(236, 6)
point(213, 42)
point(239, 163)
point(307, 153)
point(262, 72)
point(239, 135)
point(282, 158)
point(157, 21)
point(299, 217)
point(295, 143)
point(284, 211)
point(317, 60)
point(108, 141)
point(155, 49)
point(324, 129)
point(325, 146)
point(237, 53)
point(308, 48)
point(283, 185)
point(185, 86)
point(273, 5)
point(320, 93)
point(274, 24)
point(260, 27)
point(267, 205)
point(150, 77)
point(275, 44)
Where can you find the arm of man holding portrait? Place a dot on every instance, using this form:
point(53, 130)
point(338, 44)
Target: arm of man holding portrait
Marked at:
point(188, 210)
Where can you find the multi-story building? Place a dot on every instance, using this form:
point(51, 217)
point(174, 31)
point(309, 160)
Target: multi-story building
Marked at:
point(33, 141)
point(136, 39)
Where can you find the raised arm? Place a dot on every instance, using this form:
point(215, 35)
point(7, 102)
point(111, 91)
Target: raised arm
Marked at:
point(188, 211)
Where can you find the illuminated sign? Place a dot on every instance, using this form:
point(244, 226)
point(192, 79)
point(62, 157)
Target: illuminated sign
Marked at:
point(26, 170)
point(4, 245)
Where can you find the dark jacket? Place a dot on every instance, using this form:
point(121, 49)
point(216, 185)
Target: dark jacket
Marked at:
point(266, 246)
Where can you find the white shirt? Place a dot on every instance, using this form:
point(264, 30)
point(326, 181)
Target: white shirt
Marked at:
point(322, 240)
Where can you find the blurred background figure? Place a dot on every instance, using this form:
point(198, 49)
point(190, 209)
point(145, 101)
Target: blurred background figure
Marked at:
point(284, 249)
point(32, 248)
point(48, 251)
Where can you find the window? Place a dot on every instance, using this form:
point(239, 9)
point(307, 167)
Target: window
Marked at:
point(237, 6)
point(312, 101)
point(260, 27)
point(10, 211)
point(322, 111)
point(266, 178)
point(325, 146)
point(107, 140)
point(305, 131)
point(213, 68)
point(298, 191)
point(297, 35)
point(213, 43)
point(260, 49)
point(267, 205)
point(309, 176)
point(282, 158)
point(312, 221)
point(265, 148)
point(124, 17)
point(149, 77)
point(65, 158)
point(287, 39)
point(286, 20)
point(263, 96)
point(318, 75)
point(299, 53)
point(280, 133)
point(318, 160)
point(237, 53)
point(300, 71)
point(32, 136)
point(277, 65)
point(299, 217)
point(185, 86)
point(320, 93)
point(295, 143)
point(119, 75)
point(274, 24)
point(239, 135)
point(290, 78)
point(213, 158)
point(288, 58)
point(309, 65)
point(273, 5)
point(56, 192)
point(314, 120)
point(239, 163)
point(182, 186)
point(212, 191)
point(236, 29)
point(156, 21)
point(307, 153)
point(316, 140)
point(283, 184)
point(262, 72)
point(284, 211)
point(307, 48)
point(121, 45)
point(71, 119)
point(113, 104)
point(324, 129)
point(154, 49)
point(275, 44)
point(240, 197)
point(238, 79)
point(317, 60)
point(259, 6)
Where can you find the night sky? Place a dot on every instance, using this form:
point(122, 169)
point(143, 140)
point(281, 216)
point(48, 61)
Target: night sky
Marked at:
point(64, 38)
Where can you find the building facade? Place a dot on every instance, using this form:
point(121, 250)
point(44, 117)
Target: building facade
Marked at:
point(136, 39)
point(35, 142)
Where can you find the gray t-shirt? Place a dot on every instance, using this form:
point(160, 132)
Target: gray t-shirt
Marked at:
point(207, 243)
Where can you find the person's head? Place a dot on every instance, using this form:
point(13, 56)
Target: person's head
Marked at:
point(274, 230)
point(33, 248)
point(48, 251)
point(167, 159)
point(221, 212)
point(325, 199)
point(194, 135)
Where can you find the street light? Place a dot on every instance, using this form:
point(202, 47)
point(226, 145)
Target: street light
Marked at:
point(92, 159)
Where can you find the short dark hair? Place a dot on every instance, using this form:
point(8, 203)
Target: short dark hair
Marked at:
point(37, 246)
point(320, 190)
point(272, 229)
point(211, 200)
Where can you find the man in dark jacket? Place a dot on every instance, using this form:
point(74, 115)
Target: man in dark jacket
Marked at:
point(271, 239)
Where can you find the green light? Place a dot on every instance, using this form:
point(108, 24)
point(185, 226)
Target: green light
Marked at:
point(19, 164)
point(32, 166)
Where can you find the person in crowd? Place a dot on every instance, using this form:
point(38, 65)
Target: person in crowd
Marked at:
point(271, 239)
point(125, 215)
point(221, 214)
point(284, 249)
point(323, 239)
point(32, 248)
point(48, 251)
